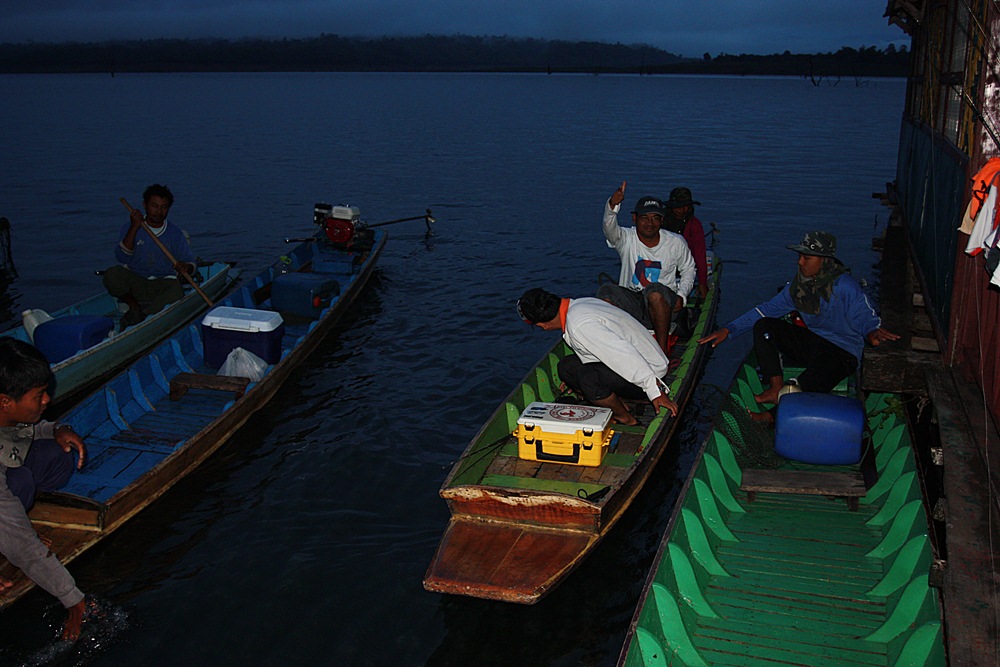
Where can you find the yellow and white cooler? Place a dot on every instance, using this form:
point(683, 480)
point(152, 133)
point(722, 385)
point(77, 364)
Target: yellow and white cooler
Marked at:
point(560, 433)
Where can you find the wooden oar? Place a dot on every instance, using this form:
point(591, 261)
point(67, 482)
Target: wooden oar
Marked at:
point(170, 256)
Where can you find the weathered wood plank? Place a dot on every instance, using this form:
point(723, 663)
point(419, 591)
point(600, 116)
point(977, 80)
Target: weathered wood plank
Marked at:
point(839, 484)
point(180, 383)
point(972, 532)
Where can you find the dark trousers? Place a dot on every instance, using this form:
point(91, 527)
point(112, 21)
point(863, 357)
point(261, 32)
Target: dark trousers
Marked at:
point(152, 295)
point(595, 380)
point(825, 363)
point(46, 468)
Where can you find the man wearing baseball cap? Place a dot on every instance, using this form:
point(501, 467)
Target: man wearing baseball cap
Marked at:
point(657, 270)
point(838, 319)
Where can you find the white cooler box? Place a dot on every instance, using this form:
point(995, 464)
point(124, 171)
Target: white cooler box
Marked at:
point(225, 328)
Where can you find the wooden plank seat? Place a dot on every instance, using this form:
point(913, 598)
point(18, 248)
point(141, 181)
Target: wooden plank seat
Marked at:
point(181, 382)
point(837, 484)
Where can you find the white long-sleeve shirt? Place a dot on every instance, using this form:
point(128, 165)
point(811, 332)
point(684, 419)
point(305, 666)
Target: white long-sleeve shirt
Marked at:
point(598, 331)
point(642, 265)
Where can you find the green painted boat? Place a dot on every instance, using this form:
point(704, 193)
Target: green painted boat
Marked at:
point(519, 527)
point(772, 567)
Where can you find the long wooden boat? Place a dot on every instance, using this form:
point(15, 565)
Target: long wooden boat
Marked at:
point(80, 372)
point(519, 527)
point(152, 424)
point(769, 566)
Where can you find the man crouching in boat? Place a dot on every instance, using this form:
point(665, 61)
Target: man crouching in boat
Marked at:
point(35, 456)
point(838, 317)
point(615, 357)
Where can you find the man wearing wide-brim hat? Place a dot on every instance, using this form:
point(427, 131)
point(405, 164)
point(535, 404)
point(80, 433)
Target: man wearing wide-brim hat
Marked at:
point(680, 219)
point(837, 314)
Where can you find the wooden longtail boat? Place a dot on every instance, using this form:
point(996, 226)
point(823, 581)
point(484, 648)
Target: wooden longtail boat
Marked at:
point(80, 372)
point(152, 424)
point(771, 567)
point(519, 527)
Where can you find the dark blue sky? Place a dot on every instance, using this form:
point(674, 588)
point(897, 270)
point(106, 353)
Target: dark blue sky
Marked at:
point(686, 27)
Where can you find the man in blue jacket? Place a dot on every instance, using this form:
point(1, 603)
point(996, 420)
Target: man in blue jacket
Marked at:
point(146, 280)
point(838, 319)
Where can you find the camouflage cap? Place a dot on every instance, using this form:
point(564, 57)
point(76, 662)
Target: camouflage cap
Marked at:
point(817, 244)
point(681, 197)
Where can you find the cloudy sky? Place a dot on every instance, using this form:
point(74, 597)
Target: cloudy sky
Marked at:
point(686, 27)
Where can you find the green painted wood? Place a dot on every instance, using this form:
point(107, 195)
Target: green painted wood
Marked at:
point(908, 522)
point(899, 464)
point(652, 653)
point(687, 584)
point(719, 444)
point(673, 629)
point(719, 486)
point(913, 559)
point(924, 647)
point(709, 511)
point(905, 489)
point(804, 581)
point(698, 544)
point(914, 606)
point(891, 440)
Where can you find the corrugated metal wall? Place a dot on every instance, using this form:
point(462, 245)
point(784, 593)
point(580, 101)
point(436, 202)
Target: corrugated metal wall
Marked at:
point(931, 182)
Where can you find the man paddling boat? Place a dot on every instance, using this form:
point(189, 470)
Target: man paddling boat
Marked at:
point(146, 280)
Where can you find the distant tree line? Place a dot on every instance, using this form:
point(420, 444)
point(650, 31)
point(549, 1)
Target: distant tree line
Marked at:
point(425, 53)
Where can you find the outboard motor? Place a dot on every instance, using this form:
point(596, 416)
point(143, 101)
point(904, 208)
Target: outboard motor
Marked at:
point(338, 222)
point(342, 226)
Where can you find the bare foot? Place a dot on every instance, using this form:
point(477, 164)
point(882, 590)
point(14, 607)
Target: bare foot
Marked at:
point(5, 584)
point(765, 417)
point(74, 621)
point(767, 396)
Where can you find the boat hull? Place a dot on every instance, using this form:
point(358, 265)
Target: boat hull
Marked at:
point(82, 372)
point(793, 564)
point(141, 442)
point(536, 522)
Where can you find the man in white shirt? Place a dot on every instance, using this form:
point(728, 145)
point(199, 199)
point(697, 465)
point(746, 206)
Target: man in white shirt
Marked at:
point(657, 270)
point(615, 357)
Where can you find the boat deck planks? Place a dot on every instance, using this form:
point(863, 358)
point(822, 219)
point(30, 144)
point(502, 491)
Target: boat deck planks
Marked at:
point(792, 578)
point(509, 470)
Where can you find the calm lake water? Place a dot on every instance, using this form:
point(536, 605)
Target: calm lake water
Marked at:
point(305, 540)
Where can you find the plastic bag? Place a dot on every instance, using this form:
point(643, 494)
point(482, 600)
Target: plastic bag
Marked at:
point(243, 364)
point(31, 318)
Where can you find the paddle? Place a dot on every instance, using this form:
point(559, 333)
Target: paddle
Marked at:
point(427, 218)
point(173, 260)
